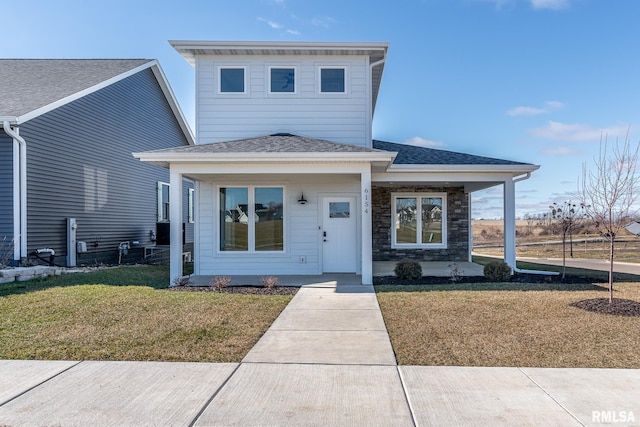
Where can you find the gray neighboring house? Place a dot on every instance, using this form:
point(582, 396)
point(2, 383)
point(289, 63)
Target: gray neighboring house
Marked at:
point(67, 130)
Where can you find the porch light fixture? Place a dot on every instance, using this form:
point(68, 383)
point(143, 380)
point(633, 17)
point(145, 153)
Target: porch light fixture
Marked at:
point(302, 200)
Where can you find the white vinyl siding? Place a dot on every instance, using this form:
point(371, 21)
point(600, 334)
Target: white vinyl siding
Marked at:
point(301, 227)
point(339, 117)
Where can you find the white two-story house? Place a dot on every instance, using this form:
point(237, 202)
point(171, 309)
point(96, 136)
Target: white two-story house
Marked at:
point(289, 179)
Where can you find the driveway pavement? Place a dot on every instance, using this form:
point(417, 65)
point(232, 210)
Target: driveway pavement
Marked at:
point(326, 360)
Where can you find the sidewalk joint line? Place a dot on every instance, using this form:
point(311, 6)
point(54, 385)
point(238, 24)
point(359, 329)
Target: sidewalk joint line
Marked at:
point(406, 395)
point(213, 396)
point(39, 384)
point(551, 397)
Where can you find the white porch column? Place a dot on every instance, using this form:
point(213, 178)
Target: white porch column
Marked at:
point(366, 233)
point(175, 216)
point(510, 223)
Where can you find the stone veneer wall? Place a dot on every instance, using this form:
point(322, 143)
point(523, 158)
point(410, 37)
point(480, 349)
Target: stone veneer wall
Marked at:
point(457, 224)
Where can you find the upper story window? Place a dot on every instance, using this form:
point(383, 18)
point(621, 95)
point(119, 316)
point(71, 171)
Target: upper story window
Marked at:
point(232, 79)
point(282, 80)
point(333, 80)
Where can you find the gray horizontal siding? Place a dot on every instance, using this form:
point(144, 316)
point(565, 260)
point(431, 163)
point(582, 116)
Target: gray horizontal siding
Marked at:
point(6, 193)
point(80, 165)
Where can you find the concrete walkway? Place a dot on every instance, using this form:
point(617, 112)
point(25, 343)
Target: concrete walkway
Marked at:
point(326, 360)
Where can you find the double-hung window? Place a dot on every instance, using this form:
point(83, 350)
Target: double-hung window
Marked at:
point(163, 201)
point(251, 219)
point(420, 220)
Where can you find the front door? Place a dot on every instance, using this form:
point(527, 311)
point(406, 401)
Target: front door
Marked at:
point(339, 234)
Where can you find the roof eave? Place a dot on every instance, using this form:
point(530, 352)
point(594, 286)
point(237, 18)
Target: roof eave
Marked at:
point(524, 168)
point(335, 157)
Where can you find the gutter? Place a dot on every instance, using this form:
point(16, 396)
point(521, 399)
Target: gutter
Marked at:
point(20, 202)
point(515, 268)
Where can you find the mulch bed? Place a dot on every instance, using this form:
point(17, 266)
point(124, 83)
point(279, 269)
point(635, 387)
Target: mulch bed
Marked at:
point(619, 306)
point(246, 290)
point(516, 278)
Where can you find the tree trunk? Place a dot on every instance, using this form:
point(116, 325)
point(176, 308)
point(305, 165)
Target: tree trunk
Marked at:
point(611, 270)
point(564, 255)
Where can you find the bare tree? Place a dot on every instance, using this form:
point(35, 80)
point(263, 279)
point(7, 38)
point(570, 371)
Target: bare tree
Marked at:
point(566, 216)
point(608, 192)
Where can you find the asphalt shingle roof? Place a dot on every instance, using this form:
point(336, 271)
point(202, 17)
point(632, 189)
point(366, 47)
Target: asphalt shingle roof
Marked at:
point(412, 155)
point(29, 84)
point(277, 143)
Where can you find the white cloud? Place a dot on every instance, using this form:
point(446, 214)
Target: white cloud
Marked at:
point(548, 107)
point(421, 142)
point(560, 151)
point(577, 132)
point(294, 32)
point(550, 4)
point(272, 24)
point(323, 21)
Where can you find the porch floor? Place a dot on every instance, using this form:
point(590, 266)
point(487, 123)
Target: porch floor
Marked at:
point(380, 268)
point(431, 268)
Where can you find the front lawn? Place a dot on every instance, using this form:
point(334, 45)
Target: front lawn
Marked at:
point(508, 325)
point(125, 314)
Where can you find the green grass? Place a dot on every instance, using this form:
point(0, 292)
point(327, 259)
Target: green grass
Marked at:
point(125, 314)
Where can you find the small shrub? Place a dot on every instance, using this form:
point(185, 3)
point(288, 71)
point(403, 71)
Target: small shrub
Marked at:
point(269, 281)
point(6, 251)
point(497, 271)
point(220, 282)
point(181, 280)
point(408, 269)
point(455, 272)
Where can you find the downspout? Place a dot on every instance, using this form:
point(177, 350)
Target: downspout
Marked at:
point(22, 184)
point(371, 66)
point(515, 268)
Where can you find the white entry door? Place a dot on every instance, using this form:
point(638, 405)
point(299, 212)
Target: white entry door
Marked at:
point(339, 234)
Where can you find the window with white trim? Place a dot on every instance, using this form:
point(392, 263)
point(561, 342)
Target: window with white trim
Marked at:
point(163, 201)
point(420, 220)
point(190, 206)
point(282, 79)
point(232, 80)
point(333, 80)
point(251, 219)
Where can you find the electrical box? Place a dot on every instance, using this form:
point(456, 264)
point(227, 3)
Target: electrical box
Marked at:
point(82, 247)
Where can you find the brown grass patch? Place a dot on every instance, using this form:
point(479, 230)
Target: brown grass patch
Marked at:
point(106, 322)
point(509, 328)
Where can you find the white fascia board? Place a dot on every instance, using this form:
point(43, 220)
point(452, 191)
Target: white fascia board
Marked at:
point(59, 103)
point(449, 176)
point(11, 119)
point(205, 170)
point(190, 48)
point(518, 169)
point(218, 158)
point(173, 102)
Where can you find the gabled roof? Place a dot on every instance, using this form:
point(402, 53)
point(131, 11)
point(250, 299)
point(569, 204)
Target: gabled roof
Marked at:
point(417, 156)
point(376, 51)
point(32, 87)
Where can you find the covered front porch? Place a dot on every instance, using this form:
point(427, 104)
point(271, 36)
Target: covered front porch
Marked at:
point(380, 269)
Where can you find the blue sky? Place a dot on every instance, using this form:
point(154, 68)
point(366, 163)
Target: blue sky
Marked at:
point(537, 81)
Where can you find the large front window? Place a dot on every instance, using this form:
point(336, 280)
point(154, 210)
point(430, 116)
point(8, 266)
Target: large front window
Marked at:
point(251, 219)
point(420, 220)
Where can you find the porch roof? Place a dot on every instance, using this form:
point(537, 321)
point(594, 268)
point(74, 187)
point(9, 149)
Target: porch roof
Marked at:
point(280, 147)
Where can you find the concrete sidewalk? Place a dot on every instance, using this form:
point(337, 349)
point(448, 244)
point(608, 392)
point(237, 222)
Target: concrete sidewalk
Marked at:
point(326, 360)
